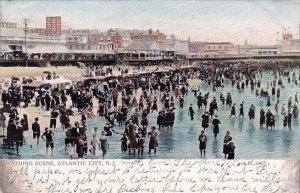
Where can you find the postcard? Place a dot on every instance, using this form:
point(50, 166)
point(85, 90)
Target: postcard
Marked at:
point(149, 96)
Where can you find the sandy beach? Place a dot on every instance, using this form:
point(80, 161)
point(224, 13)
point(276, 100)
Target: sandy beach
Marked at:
point(44, 117)
point(8, 72)
point(37, 72)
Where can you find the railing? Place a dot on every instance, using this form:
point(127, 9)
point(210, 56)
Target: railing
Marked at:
point(33, 39)
point(246, 56)
point(168, 57)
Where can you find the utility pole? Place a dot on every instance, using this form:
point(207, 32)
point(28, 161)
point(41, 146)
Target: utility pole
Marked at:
point(117, 54)
point(25, 31)
point(299, 30)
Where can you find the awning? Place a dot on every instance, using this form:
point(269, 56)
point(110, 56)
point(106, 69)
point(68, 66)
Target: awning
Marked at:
point(58, 81)
point(37, 84)
point(49, 49)
point(92, 51)
point(102, 78)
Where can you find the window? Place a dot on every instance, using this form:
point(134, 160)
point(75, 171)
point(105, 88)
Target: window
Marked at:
point(220, 47)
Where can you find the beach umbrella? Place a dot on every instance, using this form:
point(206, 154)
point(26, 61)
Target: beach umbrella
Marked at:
point(68, 86)
point(47, 72)
point(26, 81)
point(15, 78)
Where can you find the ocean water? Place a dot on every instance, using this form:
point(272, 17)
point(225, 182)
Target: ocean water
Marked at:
point(182, 140)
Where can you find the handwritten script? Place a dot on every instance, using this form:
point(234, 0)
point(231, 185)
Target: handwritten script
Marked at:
point(162, 176)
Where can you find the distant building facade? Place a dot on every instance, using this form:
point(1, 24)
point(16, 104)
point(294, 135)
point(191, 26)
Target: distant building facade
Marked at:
point(210, 49)
point(12, 41)
point(8, 24)
point(289, 45)
point(37, 31)
point(53, 26)
point(149, 35)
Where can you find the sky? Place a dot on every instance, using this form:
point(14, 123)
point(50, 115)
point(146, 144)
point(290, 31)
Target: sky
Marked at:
point(235, 21)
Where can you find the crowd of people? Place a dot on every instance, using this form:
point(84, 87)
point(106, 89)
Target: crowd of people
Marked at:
point(129, 106)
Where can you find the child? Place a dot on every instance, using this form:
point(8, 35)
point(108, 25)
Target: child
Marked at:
point(124, 144)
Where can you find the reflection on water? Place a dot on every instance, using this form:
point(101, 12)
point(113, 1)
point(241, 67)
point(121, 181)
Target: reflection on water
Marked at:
point(286, 141)
point(166, 141)
point(241, 124)
point(215, 148)
point(271, 141)
point(180, 115)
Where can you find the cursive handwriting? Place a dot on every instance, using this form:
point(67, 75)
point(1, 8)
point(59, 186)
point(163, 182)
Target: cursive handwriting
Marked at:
point(125, 176)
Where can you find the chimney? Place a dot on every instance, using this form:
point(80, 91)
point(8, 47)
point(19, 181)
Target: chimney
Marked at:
point(150, 31)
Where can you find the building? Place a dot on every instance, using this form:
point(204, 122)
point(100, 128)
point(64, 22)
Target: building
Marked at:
point(12, 41)
point(126, 40)
point(87, 48)
point(289, 45)
point(89, 42)
point(181, 47)
point(210, 49)
point(53, 26)
point(149, 35)
point(37, 31)
point(195, 49)
point(264, 50)
point(8, 24)
point(217, 49)
point(140, 50)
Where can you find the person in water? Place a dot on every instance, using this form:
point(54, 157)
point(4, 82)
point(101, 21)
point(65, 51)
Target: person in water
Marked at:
point(226, 148)
point(216, 128)
point(153, 144)
point(232, 113)
point(49, 140)
point(202, 142)
point(124, 145)
point(191, 112)
point(103, 144)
